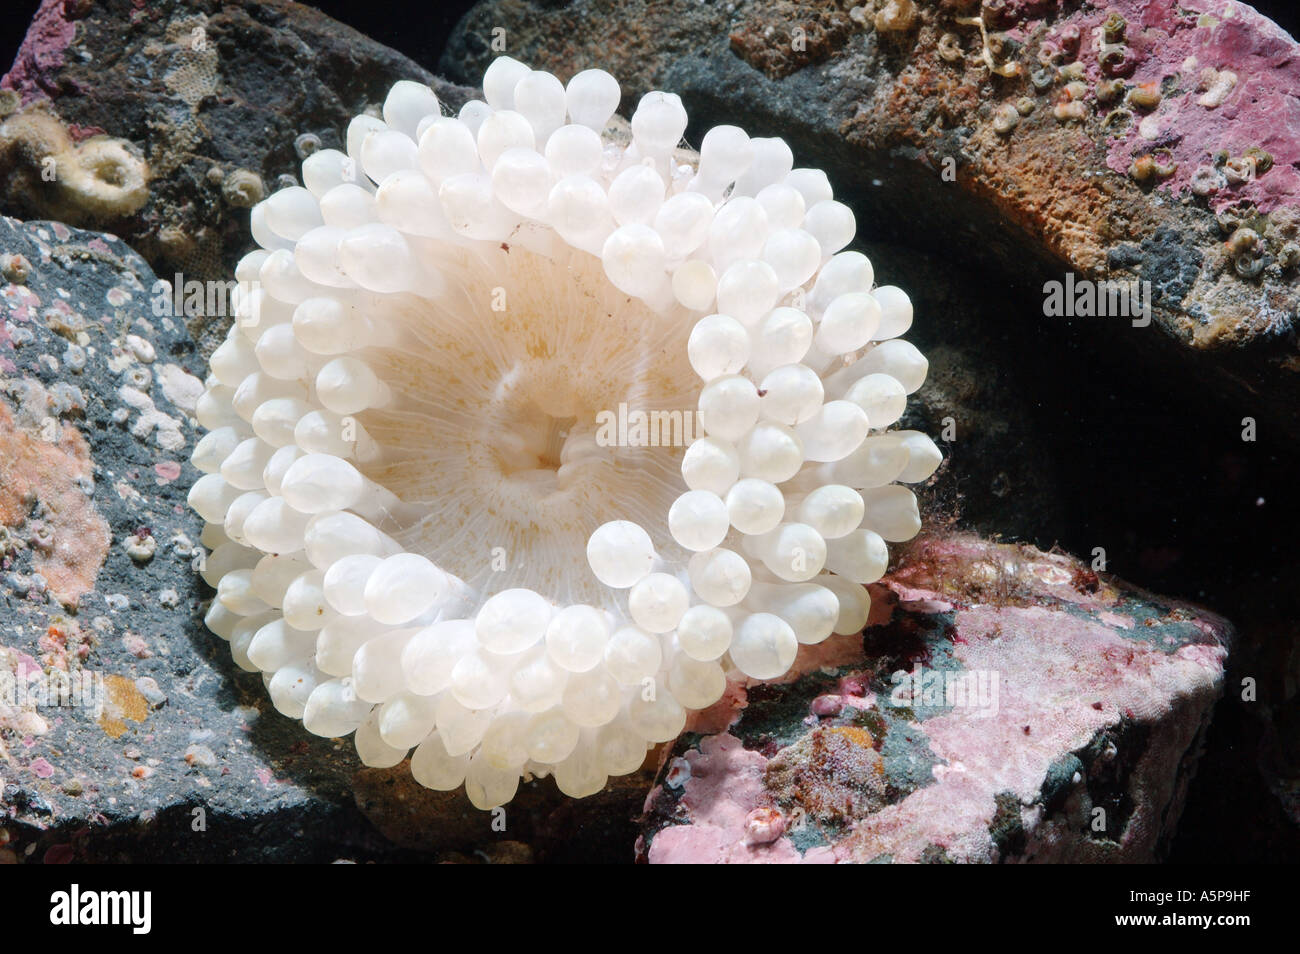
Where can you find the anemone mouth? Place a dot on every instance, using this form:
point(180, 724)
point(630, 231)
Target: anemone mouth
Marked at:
point(528, 436)
point(501, 425)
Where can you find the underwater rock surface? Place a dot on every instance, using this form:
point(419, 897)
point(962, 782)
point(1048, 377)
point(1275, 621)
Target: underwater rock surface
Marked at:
point(161, 748)
point(215, 97)
point(1120, 140)
point(1004, 705)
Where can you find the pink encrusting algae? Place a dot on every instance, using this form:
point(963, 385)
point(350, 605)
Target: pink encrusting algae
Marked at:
point(50, 33)
point(1226, 80)
point(1015, 775)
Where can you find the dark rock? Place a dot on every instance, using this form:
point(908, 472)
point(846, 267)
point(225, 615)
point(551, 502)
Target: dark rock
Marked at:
point(202, 90)
point(601, 828)
point(181, 739)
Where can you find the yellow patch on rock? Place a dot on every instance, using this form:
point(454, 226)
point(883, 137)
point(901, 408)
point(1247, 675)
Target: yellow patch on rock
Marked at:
point(123, 701)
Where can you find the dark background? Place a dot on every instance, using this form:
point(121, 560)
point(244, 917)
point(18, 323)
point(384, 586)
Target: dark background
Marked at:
point(419, 29)
point(1154, 465)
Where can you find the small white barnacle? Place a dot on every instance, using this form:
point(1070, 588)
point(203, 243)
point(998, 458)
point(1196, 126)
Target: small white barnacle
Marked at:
point(532, 431)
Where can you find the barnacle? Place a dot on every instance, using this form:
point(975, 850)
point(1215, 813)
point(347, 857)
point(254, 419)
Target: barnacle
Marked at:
point(1247, 252)
point(306, 144)
point(1115, 59)
point(1072, 72)
point(1069, 102)
point(242, 188)
point(450, 485)
point(1288, 256)
point(1144, 96)
point(1240, 169)
point(1049, 55)
point(1262, 158)
point(1249, 266)
point(1002, 46)
point(1069, 37)
point(1283, 224)
point(1142, 168)
point(1216, 85)
point(950, 48)
point(1114, 28)
point(1166, 165)
point(1117, 117)
point(177, 242)
point(15, 268)
point(1109, 90)
point(1243, 241)
point(1230, 218)
point(896, 16)
point(1207, 180)
point(1155, 165)
point(1005, 118)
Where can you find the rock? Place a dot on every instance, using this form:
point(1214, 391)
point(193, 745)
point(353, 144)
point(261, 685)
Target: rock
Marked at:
point(540, 817)
point(152, 743)
point(212, 97)
point(1004, 704)
point(1009, 137)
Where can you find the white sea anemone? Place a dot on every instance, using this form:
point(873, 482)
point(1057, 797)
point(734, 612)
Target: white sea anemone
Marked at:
point(426, 528)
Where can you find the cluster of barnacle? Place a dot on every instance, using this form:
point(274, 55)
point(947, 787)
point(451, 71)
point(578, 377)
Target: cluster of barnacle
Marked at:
point(974, 572)
point(188, 237)
point(1113, 55)
point(244, 188)
point(1254, 239)
point(997, 50)
point(1125, 101)
point(1116, 61)
point(1059, 65)
point(1227, 170)
point(1154, 165)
